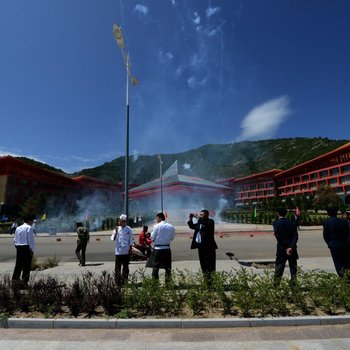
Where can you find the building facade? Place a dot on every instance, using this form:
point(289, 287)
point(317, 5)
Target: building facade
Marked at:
point(20, 181)
point(330, 169)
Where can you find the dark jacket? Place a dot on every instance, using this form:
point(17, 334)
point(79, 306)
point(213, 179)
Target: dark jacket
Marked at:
point(335, 232)
point(206, 228)
point(286, 233)
point(83, 235)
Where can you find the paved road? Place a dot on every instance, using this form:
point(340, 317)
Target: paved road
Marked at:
point(251, 244)
point(304, 337)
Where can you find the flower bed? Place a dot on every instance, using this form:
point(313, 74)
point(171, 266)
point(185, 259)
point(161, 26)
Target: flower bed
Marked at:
point(238, 293)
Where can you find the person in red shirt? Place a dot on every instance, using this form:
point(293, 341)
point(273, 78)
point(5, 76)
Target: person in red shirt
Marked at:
point(145, 241)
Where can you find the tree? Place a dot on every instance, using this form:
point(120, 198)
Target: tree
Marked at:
point(35, 205)
point(325, 197)
point(289, 203)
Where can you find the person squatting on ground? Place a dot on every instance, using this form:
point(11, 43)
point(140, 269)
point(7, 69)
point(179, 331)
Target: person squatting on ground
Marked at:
point(24, 243)
point(163, 233)
point(145, 242)
point(286, 235)
point(336, 235)
point(83, 239)
point(123, 237)
point(203, 239)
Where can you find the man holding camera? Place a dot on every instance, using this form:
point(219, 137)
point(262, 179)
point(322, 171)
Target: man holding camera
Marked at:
point(203, 239)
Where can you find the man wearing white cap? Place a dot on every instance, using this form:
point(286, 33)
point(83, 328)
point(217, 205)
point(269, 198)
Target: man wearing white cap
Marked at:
point(123, 237)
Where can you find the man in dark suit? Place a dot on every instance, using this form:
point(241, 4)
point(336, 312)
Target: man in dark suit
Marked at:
point(335, 234)
point(203, 239)
point(286, 235)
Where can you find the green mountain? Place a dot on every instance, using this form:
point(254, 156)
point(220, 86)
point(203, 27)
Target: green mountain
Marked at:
point(213, 162)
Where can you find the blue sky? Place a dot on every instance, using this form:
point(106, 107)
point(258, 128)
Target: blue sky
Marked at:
point(209, 71)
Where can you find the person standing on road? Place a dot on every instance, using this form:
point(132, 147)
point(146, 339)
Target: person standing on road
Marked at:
point(203, 239)
point(24, 243)
point(336, 234)
point(162, 235)
point(83, 239)
point(286, 234)
point(123, 237)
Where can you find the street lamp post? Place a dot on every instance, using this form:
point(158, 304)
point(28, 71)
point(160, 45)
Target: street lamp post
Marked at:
point(161, 183)
point(119, 37)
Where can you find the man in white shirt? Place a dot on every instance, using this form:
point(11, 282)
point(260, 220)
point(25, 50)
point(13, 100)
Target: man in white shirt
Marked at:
point(163, 233)
point(24, 243)
point(123, 237)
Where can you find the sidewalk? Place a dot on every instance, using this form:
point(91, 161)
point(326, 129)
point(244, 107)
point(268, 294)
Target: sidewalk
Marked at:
point(67, 270)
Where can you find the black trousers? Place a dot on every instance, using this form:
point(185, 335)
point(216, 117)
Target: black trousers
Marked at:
point(207, 259)
point(280, 264)
point(161, 259)
point(122, 268)
point(23, 264)
point(81, 247)
point(341, 259)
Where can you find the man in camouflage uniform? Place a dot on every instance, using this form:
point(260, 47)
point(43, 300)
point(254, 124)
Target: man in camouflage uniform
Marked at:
point(83, 239)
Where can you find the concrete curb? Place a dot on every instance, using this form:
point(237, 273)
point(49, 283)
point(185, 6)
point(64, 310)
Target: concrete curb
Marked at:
point(176, 323)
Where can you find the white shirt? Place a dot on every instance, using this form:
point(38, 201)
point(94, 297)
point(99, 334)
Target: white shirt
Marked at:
point(123, 240)
point(162, 234)
point(24, 235)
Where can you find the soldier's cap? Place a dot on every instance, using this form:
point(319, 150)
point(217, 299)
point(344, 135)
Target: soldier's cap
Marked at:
point(123, 217)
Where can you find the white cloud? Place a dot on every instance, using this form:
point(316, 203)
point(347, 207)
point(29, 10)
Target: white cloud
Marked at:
point(193, 82)
point(212, 32)
point(264, 120)
point(211, 11)
point(142, 9)
point(164, 57)
point(173, 2)
point(197, 18)
point(169, 55)
point(179, 70)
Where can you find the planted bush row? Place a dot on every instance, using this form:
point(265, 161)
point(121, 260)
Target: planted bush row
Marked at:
point(237, 293)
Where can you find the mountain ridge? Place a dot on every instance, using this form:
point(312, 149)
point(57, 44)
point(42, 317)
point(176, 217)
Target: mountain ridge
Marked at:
point(213, 161)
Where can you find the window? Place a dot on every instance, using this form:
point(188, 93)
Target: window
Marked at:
point(305, 178)
point(313, 176)
point(345, 169)
point(334, 171)
point(345, 179)
point(312, 185)
point(333, 182)
point(324, 173)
